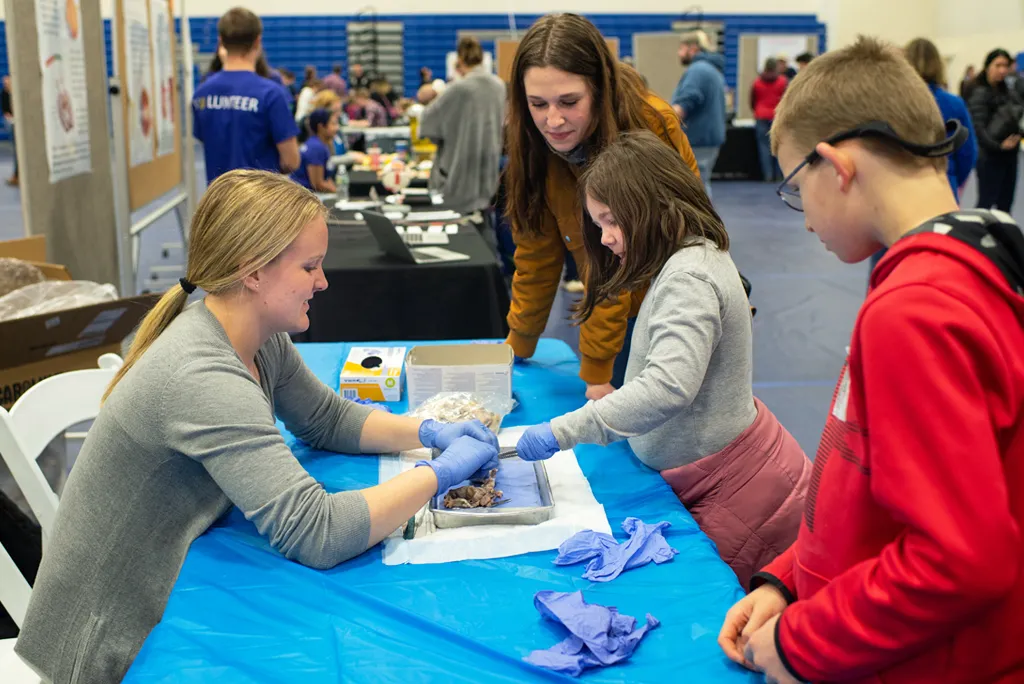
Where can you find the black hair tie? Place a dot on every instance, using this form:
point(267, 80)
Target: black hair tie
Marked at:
point(188, 287)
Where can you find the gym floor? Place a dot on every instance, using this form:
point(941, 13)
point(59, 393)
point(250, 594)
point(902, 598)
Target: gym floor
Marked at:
point(806, 298)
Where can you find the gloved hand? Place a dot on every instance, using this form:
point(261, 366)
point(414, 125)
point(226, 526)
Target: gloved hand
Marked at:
point(461, 461)
point(435, 435)
point(538, 443)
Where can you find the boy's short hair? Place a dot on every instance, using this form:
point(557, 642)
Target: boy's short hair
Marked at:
point(239, 29)
point(470, 51)
point(870, 80)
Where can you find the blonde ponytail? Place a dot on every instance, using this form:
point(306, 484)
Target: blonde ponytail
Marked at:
point(155, 322)
point(243, 222)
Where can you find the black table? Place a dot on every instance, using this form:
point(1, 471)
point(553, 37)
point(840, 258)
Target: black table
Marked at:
point(737, 158)
point(374, 297)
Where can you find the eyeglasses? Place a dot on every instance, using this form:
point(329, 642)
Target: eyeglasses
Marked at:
point(956, 135)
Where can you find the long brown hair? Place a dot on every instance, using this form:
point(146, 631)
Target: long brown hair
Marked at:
point(243, 222)
point(572, 44)
point(658, 203)
point(926, 60)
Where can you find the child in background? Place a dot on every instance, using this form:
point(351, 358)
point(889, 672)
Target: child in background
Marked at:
point(908, 565)
point(316, 151)
point(687, 405)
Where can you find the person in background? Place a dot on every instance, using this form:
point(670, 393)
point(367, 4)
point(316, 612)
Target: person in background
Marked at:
point(699, 101)
point(243, 119)
point(924, 56)
point(325, 99)
point(784, 69)
point(569, 98)
point(802, 60)
point(358, 78)
point(288, 81)
point(308, 76)
point(7, 106)
point(383, 94)
point(188, 429)
point(467, 125)
point(687, 405)
point(362, 110)
point(333, 81)
point(426, 76)
point(316, 151)
point(906, 569)
point(765, 95)
point(996, 113)
point(967, 82)
point(304, 103)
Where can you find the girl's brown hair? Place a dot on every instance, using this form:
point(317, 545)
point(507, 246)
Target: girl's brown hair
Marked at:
point(572, 44)
point(658, 203)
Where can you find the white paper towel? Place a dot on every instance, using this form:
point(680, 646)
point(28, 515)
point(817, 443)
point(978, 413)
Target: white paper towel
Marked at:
point(576, 510)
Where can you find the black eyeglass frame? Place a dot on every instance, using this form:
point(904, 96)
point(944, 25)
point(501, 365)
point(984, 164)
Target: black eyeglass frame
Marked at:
point(956, 135)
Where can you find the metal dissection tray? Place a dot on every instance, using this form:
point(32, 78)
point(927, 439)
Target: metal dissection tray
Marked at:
point(504, 514)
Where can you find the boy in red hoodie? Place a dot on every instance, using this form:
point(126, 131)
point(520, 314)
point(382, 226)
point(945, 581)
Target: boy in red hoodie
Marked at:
point(908, 564)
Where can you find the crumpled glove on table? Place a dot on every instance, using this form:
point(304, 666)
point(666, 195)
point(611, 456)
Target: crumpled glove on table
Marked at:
point(598, 636)
point(610, 558)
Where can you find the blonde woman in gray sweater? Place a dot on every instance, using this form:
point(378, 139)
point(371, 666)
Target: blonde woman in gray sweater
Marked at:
point(188, 429)
point(687, 406)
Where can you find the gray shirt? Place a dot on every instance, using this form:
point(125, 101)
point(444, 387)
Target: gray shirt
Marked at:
point(467, 122)
point(688, 388)
point(186, 433)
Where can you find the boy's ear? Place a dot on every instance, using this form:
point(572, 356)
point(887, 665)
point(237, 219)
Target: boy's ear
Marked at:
point(842, 163)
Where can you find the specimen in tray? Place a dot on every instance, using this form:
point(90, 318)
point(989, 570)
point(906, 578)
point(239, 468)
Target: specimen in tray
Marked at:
point(475, 496)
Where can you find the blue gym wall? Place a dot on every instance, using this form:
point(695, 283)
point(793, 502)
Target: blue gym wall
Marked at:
point(294, 42)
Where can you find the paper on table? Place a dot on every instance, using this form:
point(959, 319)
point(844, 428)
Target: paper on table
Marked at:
point(576, 510)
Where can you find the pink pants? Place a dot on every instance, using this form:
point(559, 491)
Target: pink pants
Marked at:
point(749, 497)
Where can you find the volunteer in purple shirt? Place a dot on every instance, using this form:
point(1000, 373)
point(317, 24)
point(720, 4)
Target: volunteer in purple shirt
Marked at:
point(243, 120)
point(316, 151)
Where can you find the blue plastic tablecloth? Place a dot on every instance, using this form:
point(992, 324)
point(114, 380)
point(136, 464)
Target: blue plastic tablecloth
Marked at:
point(241, 612)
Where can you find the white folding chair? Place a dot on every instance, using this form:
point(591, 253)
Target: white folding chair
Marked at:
point(14, 596)
point(45, 411)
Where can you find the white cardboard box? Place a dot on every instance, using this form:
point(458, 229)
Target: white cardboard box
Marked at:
point(483, 369)
point(373, 373)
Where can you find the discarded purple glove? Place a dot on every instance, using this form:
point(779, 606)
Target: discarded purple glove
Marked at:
point(610, 558)
point(598, 636)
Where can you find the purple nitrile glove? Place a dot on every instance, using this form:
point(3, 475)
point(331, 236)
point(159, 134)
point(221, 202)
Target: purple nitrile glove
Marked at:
point(464, 458)
point(435, 435)
point(538, 443)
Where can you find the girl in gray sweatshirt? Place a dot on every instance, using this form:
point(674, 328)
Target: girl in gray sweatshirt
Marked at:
point(687, 406)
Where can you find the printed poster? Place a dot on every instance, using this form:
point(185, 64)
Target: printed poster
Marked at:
point(163, 68)
point(139, 82)
point(65, 107)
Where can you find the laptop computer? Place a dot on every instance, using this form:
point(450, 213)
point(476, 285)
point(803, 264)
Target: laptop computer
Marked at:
point(383, 231)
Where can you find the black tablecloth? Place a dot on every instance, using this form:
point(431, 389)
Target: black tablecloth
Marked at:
point(737, 158)
point(374, 297)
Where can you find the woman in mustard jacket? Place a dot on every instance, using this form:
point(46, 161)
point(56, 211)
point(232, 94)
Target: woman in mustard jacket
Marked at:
point(569, 98)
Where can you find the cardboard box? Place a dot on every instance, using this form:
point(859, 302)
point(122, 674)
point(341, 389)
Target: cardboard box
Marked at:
point(37, 347)
point(373, 373)
point(483, 369)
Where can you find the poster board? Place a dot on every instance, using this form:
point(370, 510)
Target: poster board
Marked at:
point(506, 51)
point(750, 64)
point(76, 213)
point(159, 173)
point(656, 56)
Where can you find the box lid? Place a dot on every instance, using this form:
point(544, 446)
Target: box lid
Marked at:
point(35, 338)
point(461, 355)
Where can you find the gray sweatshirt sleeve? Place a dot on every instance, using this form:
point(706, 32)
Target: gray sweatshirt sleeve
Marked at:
point(685, 327)
point(311, 410)
point(438, 113)
point(215, 413)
